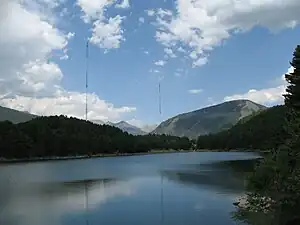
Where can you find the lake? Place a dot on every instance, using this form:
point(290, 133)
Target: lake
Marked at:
point(161, 189)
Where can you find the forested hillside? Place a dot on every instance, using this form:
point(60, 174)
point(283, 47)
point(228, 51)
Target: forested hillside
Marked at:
point(62, 136)
point(264, 130)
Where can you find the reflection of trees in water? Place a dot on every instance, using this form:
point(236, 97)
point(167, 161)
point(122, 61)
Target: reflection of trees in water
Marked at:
point(223, 175)
point(40, 204)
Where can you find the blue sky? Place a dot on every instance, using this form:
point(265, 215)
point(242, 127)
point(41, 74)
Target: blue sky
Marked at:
point(207, 52)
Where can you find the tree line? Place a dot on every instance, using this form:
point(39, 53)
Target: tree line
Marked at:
point(63, 136)
point(273, 190)
point(263, 131)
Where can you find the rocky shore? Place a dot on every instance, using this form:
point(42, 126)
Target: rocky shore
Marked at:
point(258, 203)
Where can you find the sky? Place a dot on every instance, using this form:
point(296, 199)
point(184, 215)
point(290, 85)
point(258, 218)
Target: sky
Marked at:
point(201, 52)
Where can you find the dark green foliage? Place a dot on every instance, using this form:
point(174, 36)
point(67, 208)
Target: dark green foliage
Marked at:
point(277, 177)
point(263, 131)
point(62, 136)
point(293, 89)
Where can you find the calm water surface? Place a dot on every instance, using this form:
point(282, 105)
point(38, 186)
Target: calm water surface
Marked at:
point(164, 189)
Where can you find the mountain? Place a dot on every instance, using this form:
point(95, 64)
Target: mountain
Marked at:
point(211, 119)
point(264, 130)
point(14, 116)
point(124, 126)
point(149, 128)
point(99, 122)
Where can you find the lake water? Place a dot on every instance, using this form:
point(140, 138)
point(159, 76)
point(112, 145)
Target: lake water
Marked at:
point(164, 189)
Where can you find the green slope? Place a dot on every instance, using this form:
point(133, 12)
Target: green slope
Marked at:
point(212, 119)
point(264, 130)
point(14, 116)
point(62, 136)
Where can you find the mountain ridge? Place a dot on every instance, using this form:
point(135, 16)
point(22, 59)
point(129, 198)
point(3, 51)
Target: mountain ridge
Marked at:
point(211, 119)
point(15, 116)
point(192, 124)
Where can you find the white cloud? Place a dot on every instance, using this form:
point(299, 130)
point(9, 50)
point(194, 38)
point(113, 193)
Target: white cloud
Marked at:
point(200, 62)
point(108, 35)
point(263, 96)
point(94, 9)
point(154, 71)
point(162, 12)
point(195, 91)
point(180, 49)
point(268, 96)
point(124, 5)
point(64, 57)
point(194, 55)
point(35, 40)
point(201, 25)
point(169, 52)
point(68, 103)
point(160, 63)
point(28, 80)
point(146, 52)
point(150, 12)
point(142, 20)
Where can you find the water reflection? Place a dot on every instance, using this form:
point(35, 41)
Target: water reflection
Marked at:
point(185, 188)
point(222, 176)
point(46, 204)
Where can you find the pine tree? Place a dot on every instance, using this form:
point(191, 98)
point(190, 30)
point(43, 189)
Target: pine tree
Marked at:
point(284, 163)
point(292, 97)
point(278, 176)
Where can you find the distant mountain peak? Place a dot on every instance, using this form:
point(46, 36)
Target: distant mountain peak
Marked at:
point(129, 128)
point(210, 119)
point(123, 123)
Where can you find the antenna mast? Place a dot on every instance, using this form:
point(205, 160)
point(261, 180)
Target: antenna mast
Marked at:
point(159, 97)
point(86, 79)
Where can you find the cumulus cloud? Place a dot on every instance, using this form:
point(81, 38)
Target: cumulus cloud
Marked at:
point(268, 96)
point(263, 96)
point(124, 5)
point(169, 52)
point(94, 9)
point(29, 81)
point(68, 103)
point(201, 25)
point(142, 20)
point(107, 33)
point(21, 51)
point(160, 63)
point(195, 91)
point(150, 12)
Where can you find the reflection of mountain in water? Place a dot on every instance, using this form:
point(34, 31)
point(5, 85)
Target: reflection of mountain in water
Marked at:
point(223, 176)
point(45, 204)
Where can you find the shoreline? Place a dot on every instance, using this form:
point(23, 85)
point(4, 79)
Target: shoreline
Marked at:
point(60, 158)
point(152, 152)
